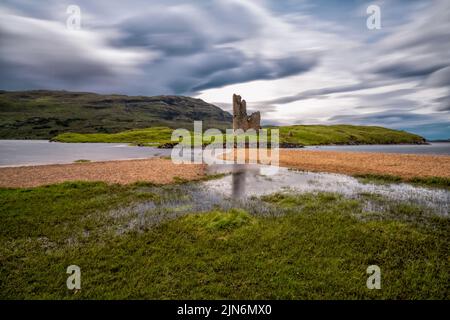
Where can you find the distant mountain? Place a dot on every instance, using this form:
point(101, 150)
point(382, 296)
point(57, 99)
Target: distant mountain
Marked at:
point(42, 114)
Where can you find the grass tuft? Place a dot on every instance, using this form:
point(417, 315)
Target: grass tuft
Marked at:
point(219, 220)
point(437, 182)
point(82, 161)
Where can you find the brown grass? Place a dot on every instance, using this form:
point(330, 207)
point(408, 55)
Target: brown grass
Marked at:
point(406, 166)
point(402, 165)
point(156, 170)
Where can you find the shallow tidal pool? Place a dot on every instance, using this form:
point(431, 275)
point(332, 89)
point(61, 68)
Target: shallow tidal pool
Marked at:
point(243, 181)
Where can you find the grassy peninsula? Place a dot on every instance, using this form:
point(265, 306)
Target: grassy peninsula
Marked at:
point(295, 135)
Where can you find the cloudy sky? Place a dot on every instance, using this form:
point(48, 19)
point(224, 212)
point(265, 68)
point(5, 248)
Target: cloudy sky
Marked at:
point(297, 61)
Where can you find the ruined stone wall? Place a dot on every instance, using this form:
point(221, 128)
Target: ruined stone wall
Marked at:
point(240, 118)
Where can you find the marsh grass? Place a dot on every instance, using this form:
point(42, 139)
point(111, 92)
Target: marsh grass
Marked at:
point(436, 182)
point(317, 247)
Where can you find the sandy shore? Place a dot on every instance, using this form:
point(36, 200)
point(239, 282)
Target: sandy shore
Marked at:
point(402, 165)
point(405, 166)
point(156, 170)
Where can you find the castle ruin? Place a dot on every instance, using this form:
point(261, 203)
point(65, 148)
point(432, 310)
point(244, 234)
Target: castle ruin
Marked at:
point(240, 118)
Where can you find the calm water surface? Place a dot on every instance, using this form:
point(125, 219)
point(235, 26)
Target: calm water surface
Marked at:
point(246, 180)
point(36, 152)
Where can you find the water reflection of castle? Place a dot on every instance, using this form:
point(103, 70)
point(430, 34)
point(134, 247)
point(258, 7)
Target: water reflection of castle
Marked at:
point(238, 184)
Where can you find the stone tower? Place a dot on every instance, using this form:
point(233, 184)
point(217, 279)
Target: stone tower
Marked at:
point(240, 118)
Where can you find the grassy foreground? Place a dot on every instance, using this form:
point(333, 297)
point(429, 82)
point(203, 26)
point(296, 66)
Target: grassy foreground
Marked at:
point(318, 246)
point(298, 135)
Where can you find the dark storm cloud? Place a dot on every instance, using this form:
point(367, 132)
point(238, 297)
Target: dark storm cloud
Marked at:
point(440, 78)
point(404, 70)
point(252, 69)
point(173, 47)
point(216, 61)
point(200, 45)
point(188, 28)
point(196, 68)
point(41, 53)
point(315, 93)
point(172, 34)
point(400, 99)
point(443, 102)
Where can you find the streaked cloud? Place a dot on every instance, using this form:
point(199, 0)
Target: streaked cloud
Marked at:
point(297, 61)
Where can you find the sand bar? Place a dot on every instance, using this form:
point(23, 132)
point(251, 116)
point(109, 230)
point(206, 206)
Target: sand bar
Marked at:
point(406, 166)
point(155, 170)
point(403, 165)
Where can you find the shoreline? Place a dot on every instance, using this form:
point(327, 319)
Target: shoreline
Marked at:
point(406, 166)
point(67, 163)
point(161, 170)
point(152, 170)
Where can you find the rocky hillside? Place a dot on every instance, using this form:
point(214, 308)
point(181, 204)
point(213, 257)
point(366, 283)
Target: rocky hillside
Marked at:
point(44, 114)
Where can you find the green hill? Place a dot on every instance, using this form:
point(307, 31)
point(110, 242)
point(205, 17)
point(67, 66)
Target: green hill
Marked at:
point(44, 114)
point(292, 135)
